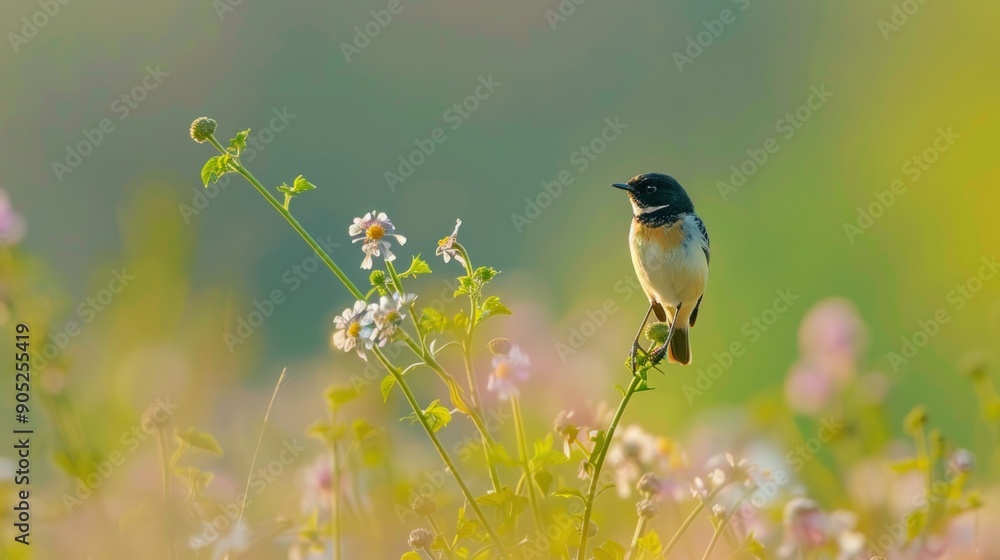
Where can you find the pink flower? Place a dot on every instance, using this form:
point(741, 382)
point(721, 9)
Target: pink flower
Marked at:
point(833, 333)
point(12, 226)
point(809, 388)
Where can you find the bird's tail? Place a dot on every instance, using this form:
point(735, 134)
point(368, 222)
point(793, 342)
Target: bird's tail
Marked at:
point(679, 351)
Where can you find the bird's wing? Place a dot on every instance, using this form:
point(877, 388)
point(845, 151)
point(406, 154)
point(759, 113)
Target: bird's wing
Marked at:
point(704, 232)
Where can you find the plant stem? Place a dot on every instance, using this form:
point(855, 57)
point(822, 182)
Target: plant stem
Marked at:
point(689, 520)
point(161, 446)
point(320, 252)
point(419, 413)
point(602, 454)
point(639, 528)
point(337, 515)
point(725, 523)
point(437, 531)
point(522, 445)
point(470, 372)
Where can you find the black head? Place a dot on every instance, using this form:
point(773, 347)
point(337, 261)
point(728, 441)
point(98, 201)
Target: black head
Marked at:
point(655, 190)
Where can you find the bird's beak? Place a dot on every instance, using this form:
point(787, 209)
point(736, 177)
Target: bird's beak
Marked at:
point(622, 186)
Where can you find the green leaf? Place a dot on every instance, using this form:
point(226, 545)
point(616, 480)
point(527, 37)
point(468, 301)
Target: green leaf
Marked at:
point(603, 489)
point(239, 142)
point(411, 555)
point(199, 440)
point(300, 185)
point(915, 523)
point(363, 430)
point(432, 321)
point(570, 493)
point(650, 543)
point(598, 439)
point(610, 550)
point(436, 416)
point(484, 274)
point(544, 480)
point(491, 307)
point(320, 430)
point(387, 384)
point(214, 168)
point(417, 266)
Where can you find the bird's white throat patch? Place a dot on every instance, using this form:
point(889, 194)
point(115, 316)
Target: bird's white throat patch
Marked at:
point(638, 211)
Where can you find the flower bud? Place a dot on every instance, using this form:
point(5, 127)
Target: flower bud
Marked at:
point(647, 508)
point(421, 539)
point(649, 484)
point(202, 128)
point(500, 346)
point(658, 332)
point(962, 461)
point(915, 420)
point(424, 505)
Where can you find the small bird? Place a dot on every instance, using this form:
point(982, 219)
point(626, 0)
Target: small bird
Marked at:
point(670, 253)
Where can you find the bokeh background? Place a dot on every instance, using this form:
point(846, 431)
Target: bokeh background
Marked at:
point(200, 263)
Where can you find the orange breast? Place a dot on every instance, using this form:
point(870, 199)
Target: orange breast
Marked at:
point(666, 237)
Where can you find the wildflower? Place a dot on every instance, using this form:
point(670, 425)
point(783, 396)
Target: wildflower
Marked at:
point(374, 229)
point(12, 225)
point(718, 511)
point(446, 247)
point(318, 486)
point(809, 389)
point(354, 328)
point(202, 128)
point(647, 508)
point(962, 461)
point(805, 527)
point(232, 543)
point(649, 484)
point(699, 489)
point(630, 455)
point(421, 539)
point(833, 329)
point(508, 370)
point(387, 316)
point(567, 430)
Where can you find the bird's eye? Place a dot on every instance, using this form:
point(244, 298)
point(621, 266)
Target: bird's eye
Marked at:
point(650, 189)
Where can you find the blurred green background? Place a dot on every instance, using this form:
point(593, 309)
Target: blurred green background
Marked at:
point(892, 89)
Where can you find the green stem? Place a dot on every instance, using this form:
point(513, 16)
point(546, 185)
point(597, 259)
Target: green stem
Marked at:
point(334, 458)
point(442, 452)
point(522, 445)
point(470, 372)
point(639, 528)
point(689, 520)
point(161, 446)
point(725, 523)
point(437, 531)
point(595, 477)
point(320, 252)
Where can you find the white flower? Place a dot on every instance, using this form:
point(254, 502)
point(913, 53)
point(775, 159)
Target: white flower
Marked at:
point(446, 246)
point(374, 229)
point(387, 316)
point(354, 329)
point(508, 370)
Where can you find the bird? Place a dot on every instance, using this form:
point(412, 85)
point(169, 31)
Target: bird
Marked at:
point(670, 252)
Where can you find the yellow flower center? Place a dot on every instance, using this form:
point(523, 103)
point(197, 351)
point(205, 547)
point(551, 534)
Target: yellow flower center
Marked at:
point(503, 370)
point(354, 329)
point(375, 232)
